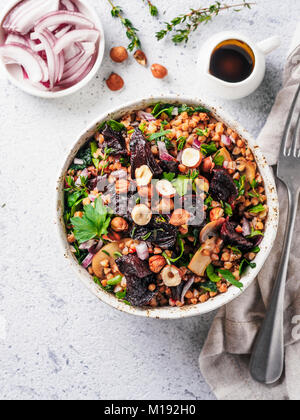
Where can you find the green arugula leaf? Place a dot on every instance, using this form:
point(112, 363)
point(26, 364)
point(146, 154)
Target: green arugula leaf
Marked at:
point(256, 250)
point(241, 185)
point(255, 233)
point(203, 133)
point(174, 260)
point(228, 209)
point(228, 276)
point(219, 159)
point(169, 176)
point(121, 295)
point(257, 209)
point(156, 136)
point(208, 149)
point(244, 264)
point(162, 108)
point(181, 143)
point(234, 249)
point(94, 223)
point(116, 280)
point(181, 184)
point(209, 286)
point(210, 271)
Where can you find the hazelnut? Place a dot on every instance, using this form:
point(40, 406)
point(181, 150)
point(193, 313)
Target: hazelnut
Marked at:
point(140, 57)
point(118, 54)
point(171, 276)
point(115, 82)
point(165, 206)
point(216, 214)
point(208, 164)
point(157, 263)
point(122, 186)
point(202, 184)
point(146, 191)
point(180, 217)
point(118, 224)
point(159, 71)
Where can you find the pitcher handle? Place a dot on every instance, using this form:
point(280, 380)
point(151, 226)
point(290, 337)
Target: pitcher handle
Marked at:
point(269, 45)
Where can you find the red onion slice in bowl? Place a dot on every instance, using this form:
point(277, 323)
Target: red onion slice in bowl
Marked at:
point(78, 35)
point(33, 64)
point(16, 39)
point(69, 5)
point(163, 152)
point(60, 17)
point(23, 17)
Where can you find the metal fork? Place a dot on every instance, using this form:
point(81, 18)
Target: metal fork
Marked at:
point(267, 362)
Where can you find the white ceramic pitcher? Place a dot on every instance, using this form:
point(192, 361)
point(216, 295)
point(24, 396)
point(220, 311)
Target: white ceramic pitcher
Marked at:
point(237, 90)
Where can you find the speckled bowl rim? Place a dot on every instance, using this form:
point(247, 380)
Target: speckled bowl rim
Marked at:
point(190, 310)
point(31, 90)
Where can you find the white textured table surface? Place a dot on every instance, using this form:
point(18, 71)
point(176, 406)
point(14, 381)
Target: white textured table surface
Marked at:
point(61, 342)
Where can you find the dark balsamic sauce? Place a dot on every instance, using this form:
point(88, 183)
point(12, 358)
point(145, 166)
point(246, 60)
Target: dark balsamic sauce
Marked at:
point(232, 61)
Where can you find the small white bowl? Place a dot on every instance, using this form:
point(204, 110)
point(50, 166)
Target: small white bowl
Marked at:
point(15, 75)
point(191, 310)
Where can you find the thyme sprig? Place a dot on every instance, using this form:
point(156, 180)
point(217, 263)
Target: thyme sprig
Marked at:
point(153, 9)
point(192, 20)
point(131, 31)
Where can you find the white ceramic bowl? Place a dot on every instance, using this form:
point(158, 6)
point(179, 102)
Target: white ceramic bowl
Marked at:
point(15, 75)
point(186, 311)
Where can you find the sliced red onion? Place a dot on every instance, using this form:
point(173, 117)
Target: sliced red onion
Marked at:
point(16, 39)
point(175, 112)
point(246, 227)
point(78, 35)
point(88, 244)
point(84, 174)
point(179, 156)
point(78, 161)
point(197, 144)
point(71, 52)
point(61, 32)
point(34, 66)
point(81, 74)
point(119, 174)
point(22, 18)
point(187, 287)
point(88, 260)
point(52, 59)
point(69, 5)
point(226, 140)
point(86, 55)
point(225, 164)
point(142, 251)
point(63, 17)
point(146, 116)
point(163, 152)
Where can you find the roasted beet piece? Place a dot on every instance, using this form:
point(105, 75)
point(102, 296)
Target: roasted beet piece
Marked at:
point(138, 278)
point(231, 237)
point(162, 235)
point(222, 187)
point(114, 140)
point(169, 166)
point(121, 203)
point(141, 154)
point(99, 182)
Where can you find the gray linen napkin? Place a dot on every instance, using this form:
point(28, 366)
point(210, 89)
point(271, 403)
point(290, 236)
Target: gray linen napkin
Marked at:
point(225, 357)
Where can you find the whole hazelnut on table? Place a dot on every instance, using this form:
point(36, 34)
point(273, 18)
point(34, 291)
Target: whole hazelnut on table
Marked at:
point(118, 224)
point(159, 71)
point(115, 82)
point(140, 57)
point(118, 54)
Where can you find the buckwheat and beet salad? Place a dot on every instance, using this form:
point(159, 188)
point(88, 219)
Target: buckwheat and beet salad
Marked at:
point(165, 207)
